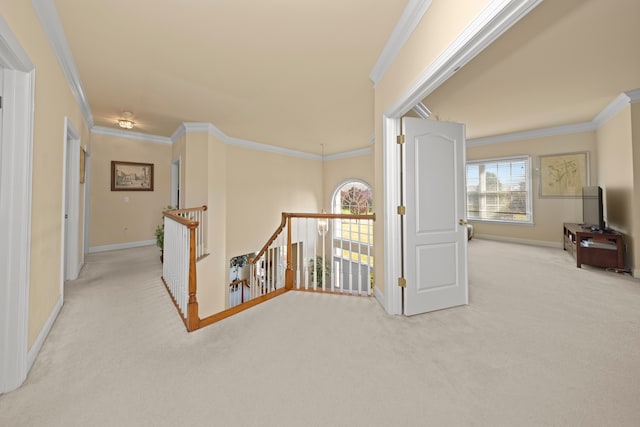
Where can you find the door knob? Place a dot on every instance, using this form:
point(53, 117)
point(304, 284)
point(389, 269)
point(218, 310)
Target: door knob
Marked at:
point(462, 222)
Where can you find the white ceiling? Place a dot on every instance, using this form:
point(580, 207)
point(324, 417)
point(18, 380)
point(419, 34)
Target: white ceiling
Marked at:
point(295, 74)
point(562, 64)
point(288, 73)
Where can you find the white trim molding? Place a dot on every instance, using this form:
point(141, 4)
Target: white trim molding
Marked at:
point(529, 242)
point(50, 21)
point(137, 136)
point(610, 111)
point(349, 154)
point(495, 19)
point(533, 134)
point(16, 157)
point(44, 332)
point(70, 205)
point(408, 21)
point(118, 246)
point(217, 133)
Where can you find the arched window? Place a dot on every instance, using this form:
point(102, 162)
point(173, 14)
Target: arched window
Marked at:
point(353, 196)
point(352, 238)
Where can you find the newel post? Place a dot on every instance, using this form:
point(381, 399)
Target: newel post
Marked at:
point(193, 321)
point(288, 276)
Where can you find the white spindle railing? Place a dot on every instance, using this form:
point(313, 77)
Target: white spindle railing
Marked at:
point(329, 252)
point(200, 216)
point(175, 267)
point(184, 243)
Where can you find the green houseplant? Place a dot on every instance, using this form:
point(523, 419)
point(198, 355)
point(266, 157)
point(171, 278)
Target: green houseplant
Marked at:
point(315, 268)
point(160, 233)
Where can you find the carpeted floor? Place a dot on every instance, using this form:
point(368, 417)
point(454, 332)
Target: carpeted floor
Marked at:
point(542, 343)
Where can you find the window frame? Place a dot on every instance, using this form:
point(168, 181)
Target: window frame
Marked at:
point(337, 223)
point(528, 188)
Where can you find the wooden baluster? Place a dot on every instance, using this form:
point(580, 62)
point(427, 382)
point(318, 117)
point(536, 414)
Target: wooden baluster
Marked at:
point(288, 281)
point(193, 321)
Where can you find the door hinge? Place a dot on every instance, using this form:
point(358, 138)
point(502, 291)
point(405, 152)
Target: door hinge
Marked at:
point(0, 102)
point(400, 139)
point(402, 210)
point(402, 282)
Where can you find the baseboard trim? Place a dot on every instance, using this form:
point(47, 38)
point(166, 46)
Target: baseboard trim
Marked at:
point(42, 336)
point(117, 246)
point(380, 297)
point(543, 243)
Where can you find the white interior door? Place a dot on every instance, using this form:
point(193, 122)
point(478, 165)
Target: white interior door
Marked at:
point(435, 231)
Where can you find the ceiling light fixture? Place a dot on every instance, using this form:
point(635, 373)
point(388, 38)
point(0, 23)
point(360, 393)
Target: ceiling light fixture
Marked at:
point(125, 122)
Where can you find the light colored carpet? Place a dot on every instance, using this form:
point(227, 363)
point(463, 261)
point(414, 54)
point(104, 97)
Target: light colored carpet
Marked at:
point(541, 344)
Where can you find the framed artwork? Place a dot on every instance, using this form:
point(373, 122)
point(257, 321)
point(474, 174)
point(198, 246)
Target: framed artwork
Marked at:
point(83, 159)
point(564, 175)
point(129, 176)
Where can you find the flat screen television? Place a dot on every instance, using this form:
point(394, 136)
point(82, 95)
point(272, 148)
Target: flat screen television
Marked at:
point(592, 210)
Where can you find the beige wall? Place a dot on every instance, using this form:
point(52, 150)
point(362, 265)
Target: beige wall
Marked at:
point(634, 238)
point(335, 172)
point(548, 213)
point(615, 175)
point(196, 169)
point(212, 271)
point(178, 152)
point(53, 101)
point(262, 185)
point(118, 217)
point(441, 24)
point(246, 192)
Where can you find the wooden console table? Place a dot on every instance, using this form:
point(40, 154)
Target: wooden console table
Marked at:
point(597, 248)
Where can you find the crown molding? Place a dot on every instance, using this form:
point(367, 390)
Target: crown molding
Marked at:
point(634, 96)
point(127, 134)
point(608, 112)
point(50, 21)
point(533, 134)
point(614, 107)
point(408, 21)
point(214, 131)
point(496, 18)
point(349, 154)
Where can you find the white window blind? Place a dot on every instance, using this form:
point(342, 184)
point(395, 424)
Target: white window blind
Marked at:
point(499, 190)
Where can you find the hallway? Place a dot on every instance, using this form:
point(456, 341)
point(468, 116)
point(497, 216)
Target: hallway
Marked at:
point(563, 352)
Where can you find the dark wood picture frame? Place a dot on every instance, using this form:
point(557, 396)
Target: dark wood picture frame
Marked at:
point(131, 176)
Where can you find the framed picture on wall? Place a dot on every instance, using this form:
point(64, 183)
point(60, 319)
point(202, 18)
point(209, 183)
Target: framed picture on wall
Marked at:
point(130, 176)
point(564, 175)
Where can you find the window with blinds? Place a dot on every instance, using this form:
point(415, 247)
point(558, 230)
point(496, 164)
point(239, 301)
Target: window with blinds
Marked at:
point(500, 190)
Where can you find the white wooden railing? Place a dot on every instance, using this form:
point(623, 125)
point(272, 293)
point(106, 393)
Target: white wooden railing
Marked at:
point(184, 244)
point(198, 215)
point(316, 252)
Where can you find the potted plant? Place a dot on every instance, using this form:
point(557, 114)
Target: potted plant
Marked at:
point(316, 270)
point(160, 234)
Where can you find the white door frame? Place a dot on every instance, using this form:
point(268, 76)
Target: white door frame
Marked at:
point(70, 197)
point(16, 153)
point(497, 17)
point(87, 200)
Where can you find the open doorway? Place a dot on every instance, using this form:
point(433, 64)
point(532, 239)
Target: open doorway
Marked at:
point(70, 206)
point(175, 183)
